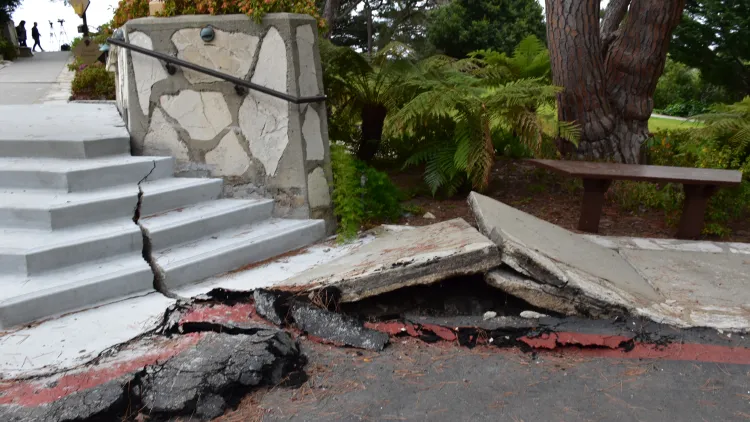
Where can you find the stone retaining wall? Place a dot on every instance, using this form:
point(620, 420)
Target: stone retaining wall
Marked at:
point(262, 146)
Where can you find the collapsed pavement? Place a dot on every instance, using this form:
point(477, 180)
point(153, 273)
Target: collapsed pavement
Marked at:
point(524, 283)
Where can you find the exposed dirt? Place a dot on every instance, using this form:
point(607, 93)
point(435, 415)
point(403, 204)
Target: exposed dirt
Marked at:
point(546, 195)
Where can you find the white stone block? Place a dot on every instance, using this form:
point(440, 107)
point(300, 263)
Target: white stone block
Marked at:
point(162, 139)
point(308, 77)
point(228, 158)
point(318, 193)
point(202, 114)
point(147, 70)
point(312, 134)
point(264, 121)
point(272, 68)
point(229, 52)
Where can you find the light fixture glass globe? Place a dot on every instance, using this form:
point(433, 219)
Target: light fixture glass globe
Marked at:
point(79, 6)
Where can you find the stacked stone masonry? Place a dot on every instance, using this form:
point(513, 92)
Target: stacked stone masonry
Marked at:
point(260, 145)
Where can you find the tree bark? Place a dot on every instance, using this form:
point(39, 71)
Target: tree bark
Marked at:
point(608, 89)
point(373, 120)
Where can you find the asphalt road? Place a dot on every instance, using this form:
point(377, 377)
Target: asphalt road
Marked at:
point(412, 380)
point(28, 80)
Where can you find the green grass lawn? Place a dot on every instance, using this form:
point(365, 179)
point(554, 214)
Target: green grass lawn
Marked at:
point(656, 124)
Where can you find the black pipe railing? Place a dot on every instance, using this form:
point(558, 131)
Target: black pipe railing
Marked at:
point(239, 84)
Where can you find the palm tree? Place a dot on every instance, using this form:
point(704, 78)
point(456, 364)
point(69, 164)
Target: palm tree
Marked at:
point(365, 89)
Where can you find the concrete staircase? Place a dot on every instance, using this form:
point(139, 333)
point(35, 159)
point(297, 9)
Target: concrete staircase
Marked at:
point(82, 222)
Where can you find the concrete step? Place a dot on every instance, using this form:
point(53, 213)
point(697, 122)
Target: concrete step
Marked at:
point(62, 131)
point(55, 210)
point(177, 192)
point(232, 249)
point(185, 224)
point(81, 175)
point(26, 299)
point(31, 252)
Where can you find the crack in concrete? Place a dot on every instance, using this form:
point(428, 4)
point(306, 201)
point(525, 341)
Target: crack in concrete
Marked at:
point(147, 251)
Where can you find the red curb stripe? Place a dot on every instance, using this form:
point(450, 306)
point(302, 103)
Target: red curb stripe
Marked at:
point(35, 392)
point(604, 346)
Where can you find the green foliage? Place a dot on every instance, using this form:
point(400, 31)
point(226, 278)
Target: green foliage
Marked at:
point(7, 50)
point(712, 37)
point(530, 59)
point(723, 143)
point(686, 109)
point(131, 9)
point(393, 20)
point(682, 92)
point(464, 26)
point(355, 204)
point(485, 111)
point(93, 83)
point(358, 88)
point(6, 9)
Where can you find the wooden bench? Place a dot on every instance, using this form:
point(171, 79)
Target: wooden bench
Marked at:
point(698, 184)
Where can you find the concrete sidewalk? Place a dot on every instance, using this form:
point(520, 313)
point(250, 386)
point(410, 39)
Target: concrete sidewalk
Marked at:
point(37, 79)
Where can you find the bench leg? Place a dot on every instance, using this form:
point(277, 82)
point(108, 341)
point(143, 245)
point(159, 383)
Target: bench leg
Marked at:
point(694, 210)
point(591, 208)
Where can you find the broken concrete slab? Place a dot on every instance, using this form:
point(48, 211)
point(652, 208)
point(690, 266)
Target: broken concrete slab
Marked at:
point(403, 258)
point(198, 375)
point(269, 305)
point(552, 255)
point(703, 289)
point(336, 328)
point(670, 282)
point(567, 301)
point(199, 381)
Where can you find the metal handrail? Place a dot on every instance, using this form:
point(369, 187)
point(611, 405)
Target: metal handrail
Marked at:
point(240, 84)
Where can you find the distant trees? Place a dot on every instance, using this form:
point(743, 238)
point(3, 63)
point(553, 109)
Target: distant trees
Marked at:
point(463, 26)
point(714, 36)
point(6, 9)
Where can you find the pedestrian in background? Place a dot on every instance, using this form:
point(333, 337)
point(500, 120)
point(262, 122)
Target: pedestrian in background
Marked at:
point(36, 36)
point(21, 33)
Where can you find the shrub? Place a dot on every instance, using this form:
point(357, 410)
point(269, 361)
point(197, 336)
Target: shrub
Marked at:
point(686, 108)
point(7, 50)
point(131, 9)
point(93, 82)
point(692, 148)
point(361, 194)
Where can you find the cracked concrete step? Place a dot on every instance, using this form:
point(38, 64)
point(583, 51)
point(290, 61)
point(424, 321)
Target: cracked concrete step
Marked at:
point(177, 192)
point(53, 210)
point(232, 249)
point(26, 299)
point(45, 131)
point(81, 175)
point(185, 224)
point(30, 252)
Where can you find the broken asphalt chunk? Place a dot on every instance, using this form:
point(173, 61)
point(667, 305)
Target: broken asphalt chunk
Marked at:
point(397, 259)
point(271, 305)
point(336, 328)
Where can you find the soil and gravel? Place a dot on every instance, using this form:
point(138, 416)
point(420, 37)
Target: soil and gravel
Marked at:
point(545, 195)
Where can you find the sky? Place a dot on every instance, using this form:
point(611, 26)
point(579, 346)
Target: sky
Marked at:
point(98, 13)
point(43, 11)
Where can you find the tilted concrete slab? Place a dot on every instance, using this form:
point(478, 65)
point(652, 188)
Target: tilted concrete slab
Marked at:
point(702, 289)
point(685, 284)
point(552, 255)
point(404, 258)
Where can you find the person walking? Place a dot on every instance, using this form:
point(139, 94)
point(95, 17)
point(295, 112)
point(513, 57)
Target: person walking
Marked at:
point(36, 36)
point(21, 34)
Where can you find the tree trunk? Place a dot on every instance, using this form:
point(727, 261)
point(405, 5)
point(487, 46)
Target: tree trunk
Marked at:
point(373, 119)
point(329, 14)
point(368, 13)
point(609, 77)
